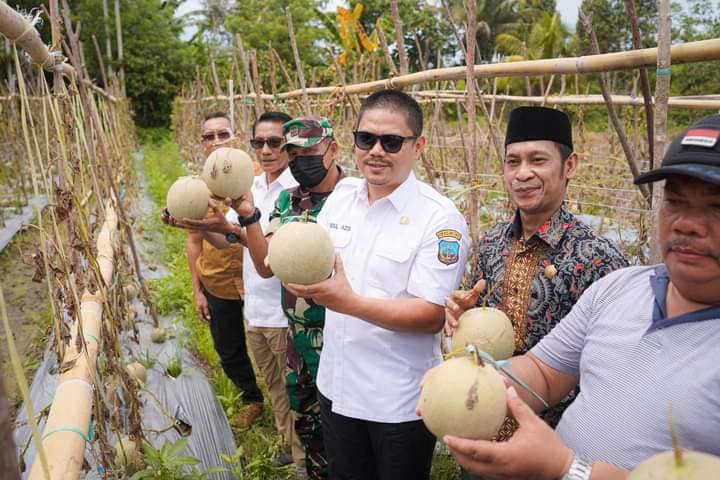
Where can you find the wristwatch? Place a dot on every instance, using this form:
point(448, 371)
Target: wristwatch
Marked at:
point(245, 221)
point(580, 469)
point(231, 237)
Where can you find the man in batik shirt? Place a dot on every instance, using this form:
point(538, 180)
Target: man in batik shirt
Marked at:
point(537, 264)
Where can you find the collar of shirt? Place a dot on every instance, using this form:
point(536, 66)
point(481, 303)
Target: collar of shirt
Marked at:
point(399, 197)
point(551, 232)
point(299, 192)
point(659, 283)
point(286, 180)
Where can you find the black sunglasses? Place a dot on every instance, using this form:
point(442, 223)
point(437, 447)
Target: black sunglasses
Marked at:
point(389, 143)
point(223, 135)
point(272, 142)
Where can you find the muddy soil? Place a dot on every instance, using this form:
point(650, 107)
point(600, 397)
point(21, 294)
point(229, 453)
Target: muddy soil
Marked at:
point(28, 310)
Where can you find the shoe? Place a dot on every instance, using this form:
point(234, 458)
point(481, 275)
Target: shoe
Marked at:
point(301, 473)
point(283, 459)
point(246, 417)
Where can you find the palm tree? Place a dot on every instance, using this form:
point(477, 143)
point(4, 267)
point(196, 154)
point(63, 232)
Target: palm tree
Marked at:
point(494, 17)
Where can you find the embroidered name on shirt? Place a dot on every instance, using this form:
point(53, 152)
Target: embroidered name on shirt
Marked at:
point(448, 246)
point(345, 228)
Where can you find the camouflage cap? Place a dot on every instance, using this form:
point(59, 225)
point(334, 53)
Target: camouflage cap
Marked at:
point(306, 131)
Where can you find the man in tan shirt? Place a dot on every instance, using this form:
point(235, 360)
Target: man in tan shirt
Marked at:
point(218, 288)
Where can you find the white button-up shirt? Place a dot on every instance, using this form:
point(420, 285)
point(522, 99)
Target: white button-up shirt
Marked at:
point(410, 244)
point(262, 295)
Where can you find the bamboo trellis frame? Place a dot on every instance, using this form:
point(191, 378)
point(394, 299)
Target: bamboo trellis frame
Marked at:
point(71, 407)
point(607, 62)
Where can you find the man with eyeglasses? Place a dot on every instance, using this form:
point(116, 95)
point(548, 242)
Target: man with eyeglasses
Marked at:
point(537, 264)
point(217, 281)
point(311, 154)
point(400, 250)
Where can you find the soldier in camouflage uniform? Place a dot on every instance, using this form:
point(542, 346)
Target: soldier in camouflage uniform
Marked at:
point(312, 151)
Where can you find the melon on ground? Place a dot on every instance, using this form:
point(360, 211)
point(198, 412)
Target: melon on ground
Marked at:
point(228, 172)
point(137, 372)
point(302, 253)
point(464, 399)
point(188, 197)
point(488, 328)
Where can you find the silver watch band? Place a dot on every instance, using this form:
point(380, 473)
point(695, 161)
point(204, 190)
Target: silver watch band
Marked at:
point(580, 469)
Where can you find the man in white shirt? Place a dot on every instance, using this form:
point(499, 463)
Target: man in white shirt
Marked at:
point(401, 246)
point(267, 326)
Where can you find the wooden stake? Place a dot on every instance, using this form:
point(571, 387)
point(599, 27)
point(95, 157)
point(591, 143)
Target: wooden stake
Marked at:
point(644, 81)
point(101, 64)
point(386, 50)
point(399, 38)
point(662, 91)
point(118, 33)
point(298, 63)
point(8, 460)
point(602, 80)
point(472, 121)
point(259, 106)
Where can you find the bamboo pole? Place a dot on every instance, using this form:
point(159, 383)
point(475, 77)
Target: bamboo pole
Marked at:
point(681, 53)
point(704, 102)
point(108, 41)
point(602, 80)
point(118, 33)
point(259, 107)
point(101, 63)
point(298, 62)
point(399, 38)
point(471, 124)
point(662, 91)
point(8, 460)
point(20, 31)
point(385, 49)
point(644, 81)
point(69, 418)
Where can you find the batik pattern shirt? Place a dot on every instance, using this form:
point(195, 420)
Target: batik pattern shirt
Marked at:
point(537, 281)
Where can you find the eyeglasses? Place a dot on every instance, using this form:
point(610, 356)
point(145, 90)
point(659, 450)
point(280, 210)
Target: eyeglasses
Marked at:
point(272, 142)
point(221, 135)
point(389, 143)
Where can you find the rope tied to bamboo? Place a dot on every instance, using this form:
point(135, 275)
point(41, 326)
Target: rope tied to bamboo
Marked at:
point(88, 436)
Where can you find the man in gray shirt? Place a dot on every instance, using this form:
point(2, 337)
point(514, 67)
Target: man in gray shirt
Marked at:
point(637, 342)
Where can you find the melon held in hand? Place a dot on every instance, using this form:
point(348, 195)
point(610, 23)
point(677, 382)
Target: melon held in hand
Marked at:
point(464, 399)
point(188, 197)
point(301, 253)
point(228, 172)
point(488, 328)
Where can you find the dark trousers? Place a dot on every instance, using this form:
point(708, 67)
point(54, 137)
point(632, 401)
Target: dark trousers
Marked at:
point(228, 333)
point(364, 450)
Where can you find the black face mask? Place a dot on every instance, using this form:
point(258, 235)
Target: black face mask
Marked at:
point(309, 170)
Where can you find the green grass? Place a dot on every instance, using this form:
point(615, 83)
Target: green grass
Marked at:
point(173, 296)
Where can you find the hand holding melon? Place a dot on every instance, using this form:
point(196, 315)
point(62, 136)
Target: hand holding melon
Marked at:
point(460, 301)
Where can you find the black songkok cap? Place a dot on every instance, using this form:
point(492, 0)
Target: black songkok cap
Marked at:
point(539, 123)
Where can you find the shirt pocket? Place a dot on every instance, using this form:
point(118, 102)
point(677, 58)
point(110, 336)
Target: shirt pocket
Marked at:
point(340, 238)
point(389, 268)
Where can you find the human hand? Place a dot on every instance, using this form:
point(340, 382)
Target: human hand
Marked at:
point(214, 223)
point(458, 303)
point(334, 293)
point(534, 451)
point(244, 205)
point(201, 307)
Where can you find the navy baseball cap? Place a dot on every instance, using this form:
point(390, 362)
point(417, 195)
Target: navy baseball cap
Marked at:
point(695, 153)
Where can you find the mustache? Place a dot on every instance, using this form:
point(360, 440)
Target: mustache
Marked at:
point(686, 244)
point(378, 161)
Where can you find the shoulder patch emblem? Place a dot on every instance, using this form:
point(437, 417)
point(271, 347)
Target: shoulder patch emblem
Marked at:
point(448, 246)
